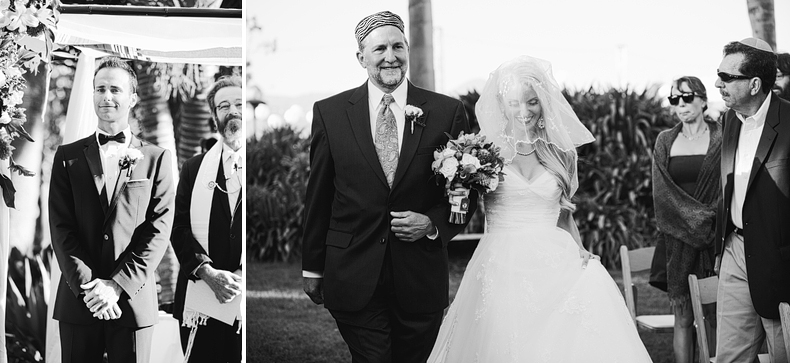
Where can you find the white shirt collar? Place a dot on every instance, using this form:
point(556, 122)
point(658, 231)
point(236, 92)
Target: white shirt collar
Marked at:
point(399, 94)
point(229, 152)
point(758, 119)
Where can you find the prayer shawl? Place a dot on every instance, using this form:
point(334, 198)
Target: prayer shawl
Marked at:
point(687, 223)
point(199, 213)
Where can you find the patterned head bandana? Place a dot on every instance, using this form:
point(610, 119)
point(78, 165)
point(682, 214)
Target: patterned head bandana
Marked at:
point(371, 22)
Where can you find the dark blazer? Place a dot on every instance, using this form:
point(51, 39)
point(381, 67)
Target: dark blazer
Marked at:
point(346, 218)
point(84, 227)
point(224, 231)
point(766, 208)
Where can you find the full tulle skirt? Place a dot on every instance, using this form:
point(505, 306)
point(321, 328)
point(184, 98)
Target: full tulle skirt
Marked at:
point(526, 298)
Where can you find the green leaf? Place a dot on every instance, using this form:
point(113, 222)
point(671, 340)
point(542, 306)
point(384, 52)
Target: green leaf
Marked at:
point(8, 190)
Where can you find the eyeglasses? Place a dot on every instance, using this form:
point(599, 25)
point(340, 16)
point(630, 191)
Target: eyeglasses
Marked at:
point(225, 106)
point(727, 78)
point(687, 97)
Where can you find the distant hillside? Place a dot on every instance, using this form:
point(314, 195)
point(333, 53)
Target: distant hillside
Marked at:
point(279, 104)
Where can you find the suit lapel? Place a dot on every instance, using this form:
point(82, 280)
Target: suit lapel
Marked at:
point(766, 139)
point(733, 127)
point(359, 116)
point(93, 156)
point(123, 177)
point(416, 97)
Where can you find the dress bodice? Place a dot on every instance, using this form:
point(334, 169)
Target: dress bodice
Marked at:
point(518, 203)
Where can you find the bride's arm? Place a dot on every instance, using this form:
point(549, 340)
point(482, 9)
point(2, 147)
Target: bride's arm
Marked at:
point(567, 223)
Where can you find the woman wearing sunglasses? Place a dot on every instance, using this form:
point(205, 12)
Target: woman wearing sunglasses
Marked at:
point(686, 189)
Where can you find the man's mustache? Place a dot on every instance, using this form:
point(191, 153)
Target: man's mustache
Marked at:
point(231, 116)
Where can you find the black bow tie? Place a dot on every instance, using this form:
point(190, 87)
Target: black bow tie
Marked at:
point(119, 138)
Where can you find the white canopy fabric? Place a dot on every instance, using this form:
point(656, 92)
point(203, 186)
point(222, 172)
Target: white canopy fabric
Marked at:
point(204, 40)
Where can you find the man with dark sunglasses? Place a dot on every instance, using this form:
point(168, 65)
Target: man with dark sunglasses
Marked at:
point(752, 244)
point(782, 84)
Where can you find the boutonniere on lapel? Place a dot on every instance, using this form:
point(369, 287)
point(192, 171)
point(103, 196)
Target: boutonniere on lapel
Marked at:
point(129, 160)
point(414, 115)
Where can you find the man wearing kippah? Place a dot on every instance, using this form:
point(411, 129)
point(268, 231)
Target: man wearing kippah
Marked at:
point(753, 233)
point(376, 221)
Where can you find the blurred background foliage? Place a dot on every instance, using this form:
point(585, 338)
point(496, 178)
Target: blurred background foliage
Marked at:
point(614, 202)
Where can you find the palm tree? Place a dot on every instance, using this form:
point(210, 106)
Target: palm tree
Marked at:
point(421, 43)
point(761, 15)
point(194, 113)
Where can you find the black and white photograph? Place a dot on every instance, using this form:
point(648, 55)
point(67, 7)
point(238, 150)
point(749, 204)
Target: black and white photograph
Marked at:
point(533, 181)
point(122, 160)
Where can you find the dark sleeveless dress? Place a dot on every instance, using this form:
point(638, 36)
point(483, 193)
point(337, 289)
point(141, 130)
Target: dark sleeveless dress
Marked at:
point(684, 170)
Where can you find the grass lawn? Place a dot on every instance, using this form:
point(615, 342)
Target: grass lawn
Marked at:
point(292, 329)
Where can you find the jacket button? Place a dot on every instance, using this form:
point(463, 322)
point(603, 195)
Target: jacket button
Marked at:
point(382, 241)
point(232, 236)
point(106, 237)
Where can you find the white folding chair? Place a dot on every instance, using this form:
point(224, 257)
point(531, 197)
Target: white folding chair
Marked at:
point(705, 292)
point(635, 261)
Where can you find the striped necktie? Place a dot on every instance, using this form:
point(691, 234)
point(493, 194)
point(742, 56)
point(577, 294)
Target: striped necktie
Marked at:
point(387, 139)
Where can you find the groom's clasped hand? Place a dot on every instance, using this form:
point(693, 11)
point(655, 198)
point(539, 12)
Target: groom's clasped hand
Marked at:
point(101, 298)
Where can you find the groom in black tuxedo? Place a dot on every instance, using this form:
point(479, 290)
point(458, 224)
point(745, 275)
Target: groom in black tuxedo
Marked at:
point(110, 212)
point(376, 221)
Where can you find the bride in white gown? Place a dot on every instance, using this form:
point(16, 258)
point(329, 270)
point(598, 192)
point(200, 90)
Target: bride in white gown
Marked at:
point(531, 292)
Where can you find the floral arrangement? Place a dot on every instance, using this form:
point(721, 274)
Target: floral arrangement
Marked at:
point(22, 23)
point(129, 159)
point(414, 115)
point(470, 162)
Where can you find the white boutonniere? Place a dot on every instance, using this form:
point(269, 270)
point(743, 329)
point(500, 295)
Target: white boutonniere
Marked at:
point(414, 115)
point(129, 159)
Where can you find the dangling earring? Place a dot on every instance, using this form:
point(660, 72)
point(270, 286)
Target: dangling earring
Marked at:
point(541, 123)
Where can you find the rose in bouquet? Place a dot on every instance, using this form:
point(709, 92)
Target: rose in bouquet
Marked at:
point(470, 162)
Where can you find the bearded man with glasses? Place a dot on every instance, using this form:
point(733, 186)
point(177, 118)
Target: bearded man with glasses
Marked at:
point(207, 235)
point(752, 244)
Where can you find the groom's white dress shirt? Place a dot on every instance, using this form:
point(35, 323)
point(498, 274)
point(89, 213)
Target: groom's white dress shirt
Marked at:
point(110, 154)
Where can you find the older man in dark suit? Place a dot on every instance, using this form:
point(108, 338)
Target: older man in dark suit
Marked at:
point(376, 222)
point(753, 241)
point(111, 211)
point(207, 235)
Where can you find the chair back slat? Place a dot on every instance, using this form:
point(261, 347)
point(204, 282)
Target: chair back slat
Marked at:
point(784, 315)
point(708, 289)
point(702, 292)
point(625, 266)
point(641, 259)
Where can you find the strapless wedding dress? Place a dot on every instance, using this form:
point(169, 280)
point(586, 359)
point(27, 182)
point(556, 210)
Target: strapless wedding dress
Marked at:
point(524, 296)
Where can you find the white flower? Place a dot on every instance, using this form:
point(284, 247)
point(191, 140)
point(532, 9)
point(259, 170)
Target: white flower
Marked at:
point(21, 18)
point(13, 71)
point(449, 167)
point(5, 118)
point(15, 98)
point(133, 155)
point(2, 78)
point(468, 159)
point(412, 111)
point(448, 153)
point(493, 183)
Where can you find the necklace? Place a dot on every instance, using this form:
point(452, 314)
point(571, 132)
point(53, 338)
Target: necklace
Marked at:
point(695, 137)
point(525, 154)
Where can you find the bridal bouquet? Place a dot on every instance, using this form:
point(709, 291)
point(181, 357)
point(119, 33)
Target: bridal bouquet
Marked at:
point(470, 162)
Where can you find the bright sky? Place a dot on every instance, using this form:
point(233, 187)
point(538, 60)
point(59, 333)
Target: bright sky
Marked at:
point(589, 43)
